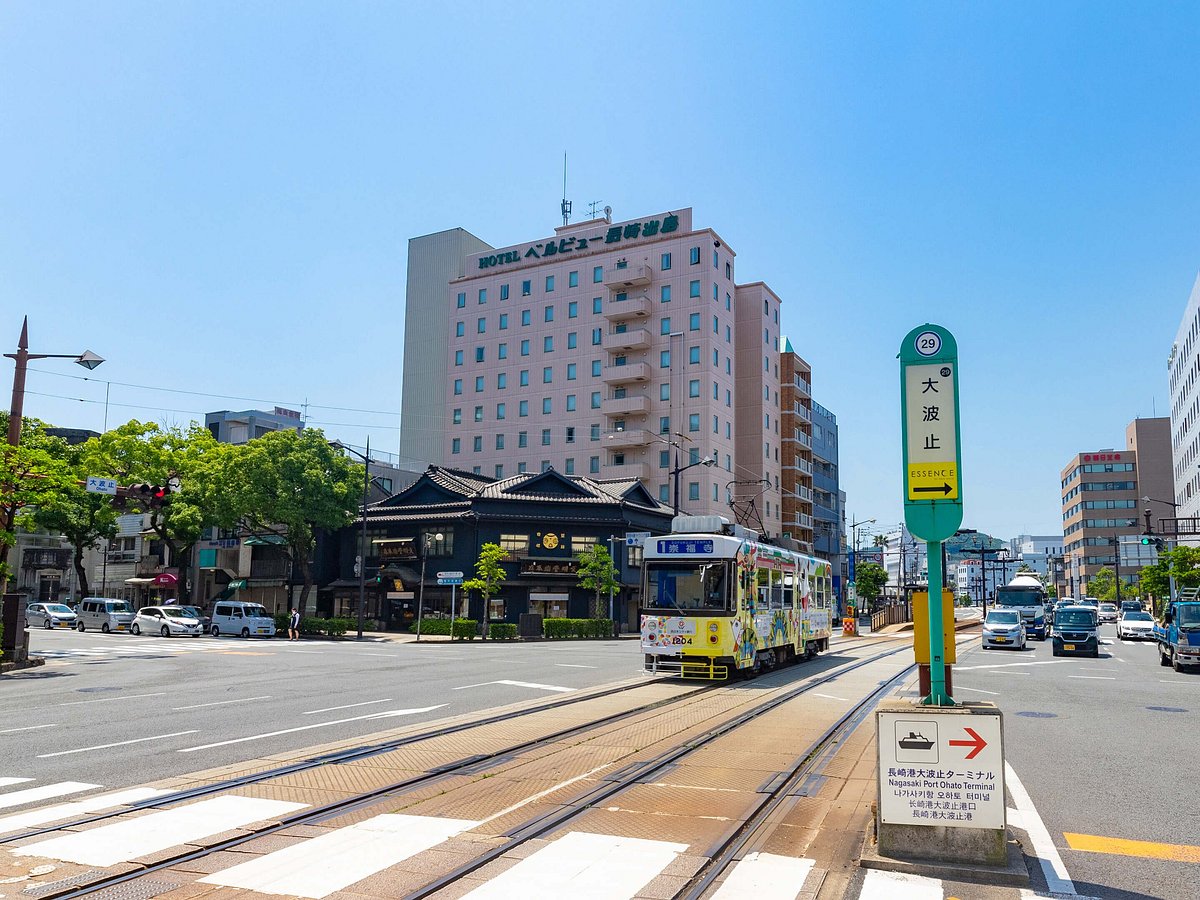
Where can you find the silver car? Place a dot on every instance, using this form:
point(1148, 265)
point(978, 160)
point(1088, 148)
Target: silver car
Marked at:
point(166, 621)
point(49, 616)
point(1003, 628)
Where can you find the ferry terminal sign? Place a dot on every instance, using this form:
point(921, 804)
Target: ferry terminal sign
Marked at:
point(615, 234)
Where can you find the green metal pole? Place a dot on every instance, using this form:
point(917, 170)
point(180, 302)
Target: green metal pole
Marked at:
point(937, 644)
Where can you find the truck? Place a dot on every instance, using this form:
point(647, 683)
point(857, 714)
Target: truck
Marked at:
point(1026, 594)
point(1178, 633)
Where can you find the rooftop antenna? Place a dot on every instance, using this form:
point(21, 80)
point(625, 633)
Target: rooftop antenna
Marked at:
point(566, 204)
point(594, 207)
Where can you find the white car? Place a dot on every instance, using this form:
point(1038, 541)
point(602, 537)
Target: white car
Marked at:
point(1135, 626)
point(1108, 612)
point(1003, 628)
point(166, 621)
point(49, 616)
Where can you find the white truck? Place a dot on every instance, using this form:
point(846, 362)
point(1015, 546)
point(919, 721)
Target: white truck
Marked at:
point(1026, 594)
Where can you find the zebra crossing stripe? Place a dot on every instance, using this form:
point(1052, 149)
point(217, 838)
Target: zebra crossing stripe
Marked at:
point(130, 839)
point(595, 866)
point(332, 862)
point(765, 876)
point(5, 782)
point(33, 818)
point(880, 885)
point(46, 792)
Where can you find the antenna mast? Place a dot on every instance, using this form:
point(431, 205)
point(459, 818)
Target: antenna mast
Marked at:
point(566, 204)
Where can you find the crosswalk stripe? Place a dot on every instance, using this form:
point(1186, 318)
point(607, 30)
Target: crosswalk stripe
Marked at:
point(765, 876)
point(595, 866)
point(32, 795)
point(133, 838)
point(5, 782)
point(332, 862)
point(19, 821)
point(880, 885)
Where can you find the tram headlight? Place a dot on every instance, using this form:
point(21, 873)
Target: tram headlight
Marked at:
point(712, 627)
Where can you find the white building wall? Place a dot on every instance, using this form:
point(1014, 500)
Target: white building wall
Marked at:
point(1183, 368)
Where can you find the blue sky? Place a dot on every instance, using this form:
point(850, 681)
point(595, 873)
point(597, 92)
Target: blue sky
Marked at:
point(217, 197)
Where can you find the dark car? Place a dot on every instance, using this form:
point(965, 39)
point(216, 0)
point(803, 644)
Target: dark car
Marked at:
point(196, 613)
point(1076, 631)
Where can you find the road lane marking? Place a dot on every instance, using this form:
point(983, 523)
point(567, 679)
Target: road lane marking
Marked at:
point(20, 821)
point(978, 690)
point(26, 728)
point(765, 876)
point(334, 861)
point(1040, 662)
point(32, 795)
point(112, 699)
point(133, 838)
point(258, 737)
point(220, 703)
point(1175, 681)
point(157, 737)
point(313, 712)
point(1053, 869)
point(1095, 677)
point(573, 666)
point(5, 782)
point(881, 885)
point(831, 697)
point(1091, 843)
point(524, 684)
point(546, 793)
point(596, 866)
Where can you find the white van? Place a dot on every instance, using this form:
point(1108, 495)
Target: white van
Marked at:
point(246, 619)
point(103, 614)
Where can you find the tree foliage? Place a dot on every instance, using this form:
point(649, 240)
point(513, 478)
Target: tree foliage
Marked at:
point(869, 579)
point(1182, 562)
point(30, 476)
point(489, 573)
point(597, 573)
point(1103, 585)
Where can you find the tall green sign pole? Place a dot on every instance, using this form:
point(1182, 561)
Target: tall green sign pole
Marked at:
point(932, 468)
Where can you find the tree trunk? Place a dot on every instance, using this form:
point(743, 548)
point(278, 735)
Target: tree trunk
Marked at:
point(81, 572)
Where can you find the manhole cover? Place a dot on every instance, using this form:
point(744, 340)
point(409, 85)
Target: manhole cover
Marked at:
point(1030, 714)
point(1166, 709)
point(96, 690)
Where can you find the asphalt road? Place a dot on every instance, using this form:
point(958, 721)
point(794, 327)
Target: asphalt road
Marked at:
point(1106, 748)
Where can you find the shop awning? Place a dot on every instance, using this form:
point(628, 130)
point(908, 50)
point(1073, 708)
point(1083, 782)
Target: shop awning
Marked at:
point(139, 581)
point(265, 540)
point(165, 579)
point(230, 589)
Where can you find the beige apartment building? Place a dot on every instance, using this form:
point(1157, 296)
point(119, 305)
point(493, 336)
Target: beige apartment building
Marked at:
point(796, 419)
point(608, 350)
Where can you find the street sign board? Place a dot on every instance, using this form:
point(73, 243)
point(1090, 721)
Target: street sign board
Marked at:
point(101, 485)
point(931, 441)
point(943, 767)
point(458, 575)
point(454, 581)
point(636, 538)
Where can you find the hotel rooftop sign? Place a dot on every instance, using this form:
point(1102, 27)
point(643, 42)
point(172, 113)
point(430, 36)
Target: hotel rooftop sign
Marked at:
point(604, 235)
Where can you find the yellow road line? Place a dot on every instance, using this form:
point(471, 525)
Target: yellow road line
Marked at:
point(1149, 849)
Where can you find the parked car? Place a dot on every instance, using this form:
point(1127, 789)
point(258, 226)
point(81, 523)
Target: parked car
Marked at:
point(1003, 628)
point(166, 621)
point(1135, 625)
point(103, 614)
point(196, 613)
point(49, 616)
point(1076, 631)
point(246, 619)
point(1107, 612)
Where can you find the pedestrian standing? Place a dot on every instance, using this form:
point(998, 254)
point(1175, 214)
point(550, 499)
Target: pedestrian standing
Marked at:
point(294, 625)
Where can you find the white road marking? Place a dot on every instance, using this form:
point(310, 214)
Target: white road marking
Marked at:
point(336, 860)
point(831, 697)
point(111, 699)
point(313, 712)
point(32, 795)
point(28, 727)
point(1176, 681)
point(1057, 879)
point(595, 866)
point(1095, 677)
point(573, 666)
point(5, 782)
point(959, 687)
point(19, 821)
point(880, 885)
point(258, 737)
point(547, 792)
point(157, 737)
point(525, 684)
point(221, 703)
point(765, 876)
point(1040, 662)
point(132, 838)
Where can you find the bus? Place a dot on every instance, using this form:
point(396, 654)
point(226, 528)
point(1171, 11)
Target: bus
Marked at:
point(718, 601)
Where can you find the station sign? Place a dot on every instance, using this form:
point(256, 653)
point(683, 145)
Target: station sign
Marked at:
point(452, 578)
point(101, 485)
point(941, 768)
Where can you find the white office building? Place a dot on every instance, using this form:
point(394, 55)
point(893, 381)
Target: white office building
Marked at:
point(1183, 368)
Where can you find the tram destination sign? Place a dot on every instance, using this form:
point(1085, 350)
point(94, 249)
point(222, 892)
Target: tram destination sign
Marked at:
point(676, 546)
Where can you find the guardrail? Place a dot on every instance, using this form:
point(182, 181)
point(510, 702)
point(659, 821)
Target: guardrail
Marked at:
point(892, 614)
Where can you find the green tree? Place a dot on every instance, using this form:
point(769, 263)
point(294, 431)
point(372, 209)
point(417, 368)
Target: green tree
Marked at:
point(30, 475)
point(869, 579)
point(289, 485)
point(597, 573)
point(1181, 562)
point(1103, 585)
point(1024, 567)
point(489, 575)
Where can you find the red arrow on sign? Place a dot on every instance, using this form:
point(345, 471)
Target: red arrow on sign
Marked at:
point(976, 742)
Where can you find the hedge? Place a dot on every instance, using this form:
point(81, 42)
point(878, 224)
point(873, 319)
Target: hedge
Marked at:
point(577, 628)
point(432, 626)
point(502, 631)
point(313, 625)
point(464, 629)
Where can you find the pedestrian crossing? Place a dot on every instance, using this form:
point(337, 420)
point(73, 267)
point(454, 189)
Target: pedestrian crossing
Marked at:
point(13, 819)
point(130, 647)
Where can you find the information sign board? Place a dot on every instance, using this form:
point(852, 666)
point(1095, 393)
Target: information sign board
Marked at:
point(940, 768)
point(450, 575)
point(101, 485)
point(451, 581)
point(636, 538)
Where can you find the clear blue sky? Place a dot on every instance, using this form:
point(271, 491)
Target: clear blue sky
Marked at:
point(216, 196)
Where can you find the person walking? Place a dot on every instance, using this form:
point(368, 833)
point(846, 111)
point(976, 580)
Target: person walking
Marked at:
point(294, 625)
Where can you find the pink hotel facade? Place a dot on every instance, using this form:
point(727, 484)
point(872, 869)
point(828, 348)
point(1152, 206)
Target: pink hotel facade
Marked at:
point(601, 351)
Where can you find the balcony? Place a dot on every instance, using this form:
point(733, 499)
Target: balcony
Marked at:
point(803, 413)
point(638, 470)
point(804, 387)
point(804, 521)
point(626, 374)
point(621, 278)
point(804, 493)
point(149, 565)
point(638, 307)
point(804, 439)
point(633, 339)
point(624, 440)
point(804, 466)
point(45, 558)
point(625, 406)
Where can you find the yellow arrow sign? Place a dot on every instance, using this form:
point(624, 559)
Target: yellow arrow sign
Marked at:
point(933, 481)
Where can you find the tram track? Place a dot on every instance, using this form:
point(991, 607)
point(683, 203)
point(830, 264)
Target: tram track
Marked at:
point(470, 765)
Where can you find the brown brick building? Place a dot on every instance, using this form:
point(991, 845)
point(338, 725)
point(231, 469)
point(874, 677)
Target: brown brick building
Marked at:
point(796, 465)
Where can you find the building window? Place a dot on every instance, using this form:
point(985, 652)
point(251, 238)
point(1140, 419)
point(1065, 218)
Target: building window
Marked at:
point(716, 326)
point(479, 414)
point(595, 399)
point(715, 294)
point(621, 297)
point(458, 416)
point(716, 425)
point(477, 443)
point(524, 378)
point(570, 408)
point(548, 315)
point(694, 388)
point(478, 384)
point(728, 302)
point(457, 386)
point(716, 260)
point(664, 494)
point(666, 261)
point(618, 459)
point(716, 391)
point(595, 436)
point(597, 274)
point(572, 279)
point(525, 347)
point(458, 357)
point(501, 411)
point(694, 322)
point(573, 309)
point(572, 340)
point(694, 289)
point(526, 288)
point(597, 305)
point(546, 406)
point(523, 408)
point(501, 381)
point(522, 438)
point(597, 337)
point(478, 354)
point(571, 434)
point(664, 392)
point(693, 490)
point(545, 437)
point(500, 467)
point(549, 283)
point(664, 459)
point(695, 256)
point(460, 329)
point(456, 445)
point(525, 317)
point(595, 368)
point(521, 468)
point(694, 355)
point(462, 300)
point(548, 344)
point(515, 545)
point(502, 351)
point(664, 424)
point(481, 326)
point(570, 465)
point(664, 359)
point(482, 296)
point(548, 375)
point(593, 464)
point(664, 294)
point(694, 422)
point(503, 321)
point(664, 325)
point(504, 292)
point(729, 270)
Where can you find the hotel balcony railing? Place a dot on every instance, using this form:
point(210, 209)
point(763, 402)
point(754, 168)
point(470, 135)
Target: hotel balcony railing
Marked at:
point(804, 521)
point(639, 470)
point(626, 374)
point(623, 277)
point(803, 413)
point(624, 440)
point(804, 493)
point(633, 339)
point(625, 406)
point(638, 307)
point(804, 466)
point(804, 439)
point(804, 387)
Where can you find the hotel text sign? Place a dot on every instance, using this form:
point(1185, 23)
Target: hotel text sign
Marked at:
point(615, 234)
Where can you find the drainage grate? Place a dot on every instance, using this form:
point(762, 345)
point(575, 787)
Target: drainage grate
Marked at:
point(52, 887)
point(141, 889)
point(1029, 714)
point(1166, 709)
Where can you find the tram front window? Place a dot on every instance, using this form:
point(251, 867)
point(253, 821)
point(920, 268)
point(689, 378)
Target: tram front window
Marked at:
point(687, 587)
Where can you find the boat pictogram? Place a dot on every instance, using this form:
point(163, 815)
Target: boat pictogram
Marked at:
point(915, 741)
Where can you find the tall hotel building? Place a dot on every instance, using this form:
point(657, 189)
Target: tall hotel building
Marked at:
point(610, 350)
point(1183, 369)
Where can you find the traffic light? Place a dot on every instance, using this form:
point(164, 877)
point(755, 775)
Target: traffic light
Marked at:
point(1158, 544)
point(1147, 540)
point(149, 495)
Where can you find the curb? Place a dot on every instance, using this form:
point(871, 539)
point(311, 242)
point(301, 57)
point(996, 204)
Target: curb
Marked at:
point(1012, 874)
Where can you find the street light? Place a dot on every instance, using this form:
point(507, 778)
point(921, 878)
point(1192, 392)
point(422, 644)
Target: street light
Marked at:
point(429, 538)
point(670, 443)
point(708, 462)
point(1175, 509)
point(362, 559)
point(16, 409)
